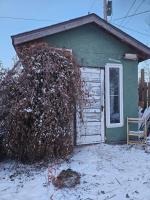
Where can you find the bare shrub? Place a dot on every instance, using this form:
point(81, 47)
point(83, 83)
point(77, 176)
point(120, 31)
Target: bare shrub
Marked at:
point(41, 101)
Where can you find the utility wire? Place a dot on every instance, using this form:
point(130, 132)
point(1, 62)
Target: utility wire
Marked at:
point(130, 8)
point(135, 10)
point(48, 20)
point(91, 6)
point(140, 13)
point(139, 6)
point(26, 19)
point(130, 29)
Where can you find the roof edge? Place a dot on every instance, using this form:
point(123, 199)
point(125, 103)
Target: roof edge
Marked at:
point(74, 23)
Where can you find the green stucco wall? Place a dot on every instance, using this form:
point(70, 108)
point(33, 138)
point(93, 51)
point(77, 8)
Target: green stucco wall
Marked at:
point(93, 46)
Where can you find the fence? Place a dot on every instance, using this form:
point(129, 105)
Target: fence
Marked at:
point(144, 91)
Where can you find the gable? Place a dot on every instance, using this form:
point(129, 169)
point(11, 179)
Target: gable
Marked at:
point(143, 50)
point(91, 45)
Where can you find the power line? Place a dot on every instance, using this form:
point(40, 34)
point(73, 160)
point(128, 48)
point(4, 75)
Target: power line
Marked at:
point(130, 29)
point(130, 8)
point(140, 13)
point(91, 6)
point(136, 9)
point(139, 6)
point(26, 19)
point(48, 20)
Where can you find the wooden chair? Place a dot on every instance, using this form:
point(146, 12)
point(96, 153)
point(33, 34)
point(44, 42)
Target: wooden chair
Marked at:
point(138, 136)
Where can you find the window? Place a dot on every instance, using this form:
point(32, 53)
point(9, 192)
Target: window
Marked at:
point(114, 95)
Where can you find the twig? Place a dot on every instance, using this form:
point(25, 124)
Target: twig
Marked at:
point(117, 181)
point(110, 197)
point(5, 189)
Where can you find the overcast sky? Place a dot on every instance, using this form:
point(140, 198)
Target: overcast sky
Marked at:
point(54, 11)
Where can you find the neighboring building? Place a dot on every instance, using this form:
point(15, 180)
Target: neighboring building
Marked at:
point(109, 64)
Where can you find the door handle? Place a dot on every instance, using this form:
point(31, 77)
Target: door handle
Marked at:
point(102, 108)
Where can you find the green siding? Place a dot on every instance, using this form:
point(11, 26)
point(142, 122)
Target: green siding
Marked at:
point(93, 46)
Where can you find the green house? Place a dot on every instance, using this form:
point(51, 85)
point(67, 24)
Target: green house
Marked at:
point(109, 60)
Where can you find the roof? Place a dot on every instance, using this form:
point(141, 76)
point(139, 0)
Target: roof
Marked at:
point(143, 50)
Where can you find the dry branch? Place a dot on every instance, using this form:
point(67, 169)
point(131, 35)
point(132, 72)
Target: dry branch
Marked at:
point(40, 103)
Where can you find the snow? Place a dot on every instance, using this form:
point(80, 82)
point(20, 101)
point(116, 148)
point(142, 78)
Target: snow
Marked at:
point(144, 116)
point(18, 68)
point(28, 110)
point(146, 113)
point(107, 172)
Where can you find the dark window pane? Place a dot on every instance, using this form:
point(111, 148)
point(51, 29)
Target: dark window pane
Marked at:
point(114, 109)
point(114, 95)
point(114, 81)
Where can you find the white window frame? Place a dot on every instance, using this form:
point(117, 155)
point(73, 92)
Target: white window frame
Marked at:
point(107, 90)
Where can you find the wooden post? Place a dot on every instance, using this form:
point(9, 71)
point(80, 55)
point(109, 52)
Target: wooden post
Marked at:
point(142, 76)
point(143, 87)
point(145, 96)
point(141, 90)
point(105, 9)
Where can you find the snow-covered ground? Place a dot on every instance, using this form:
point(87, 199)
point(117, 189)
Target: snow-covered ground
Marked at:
point(107, 172)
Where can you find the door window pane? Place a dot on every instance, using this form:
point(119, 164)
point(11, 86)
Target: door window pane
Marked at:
point(114, 109)
point(114, 81)
point(114, 95)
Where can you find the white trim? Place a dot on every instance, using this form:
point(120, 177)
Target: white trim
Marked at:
point(107, 86)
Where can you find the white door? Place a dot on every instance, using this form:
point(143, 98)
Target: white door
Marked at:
point(91, 130)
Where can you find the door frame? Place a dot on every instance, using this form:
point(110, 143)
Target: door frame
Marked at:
point(104, 111)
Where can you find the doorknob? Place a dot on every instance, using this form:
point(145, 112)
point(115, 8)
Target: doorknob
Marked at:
point(102, 108)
